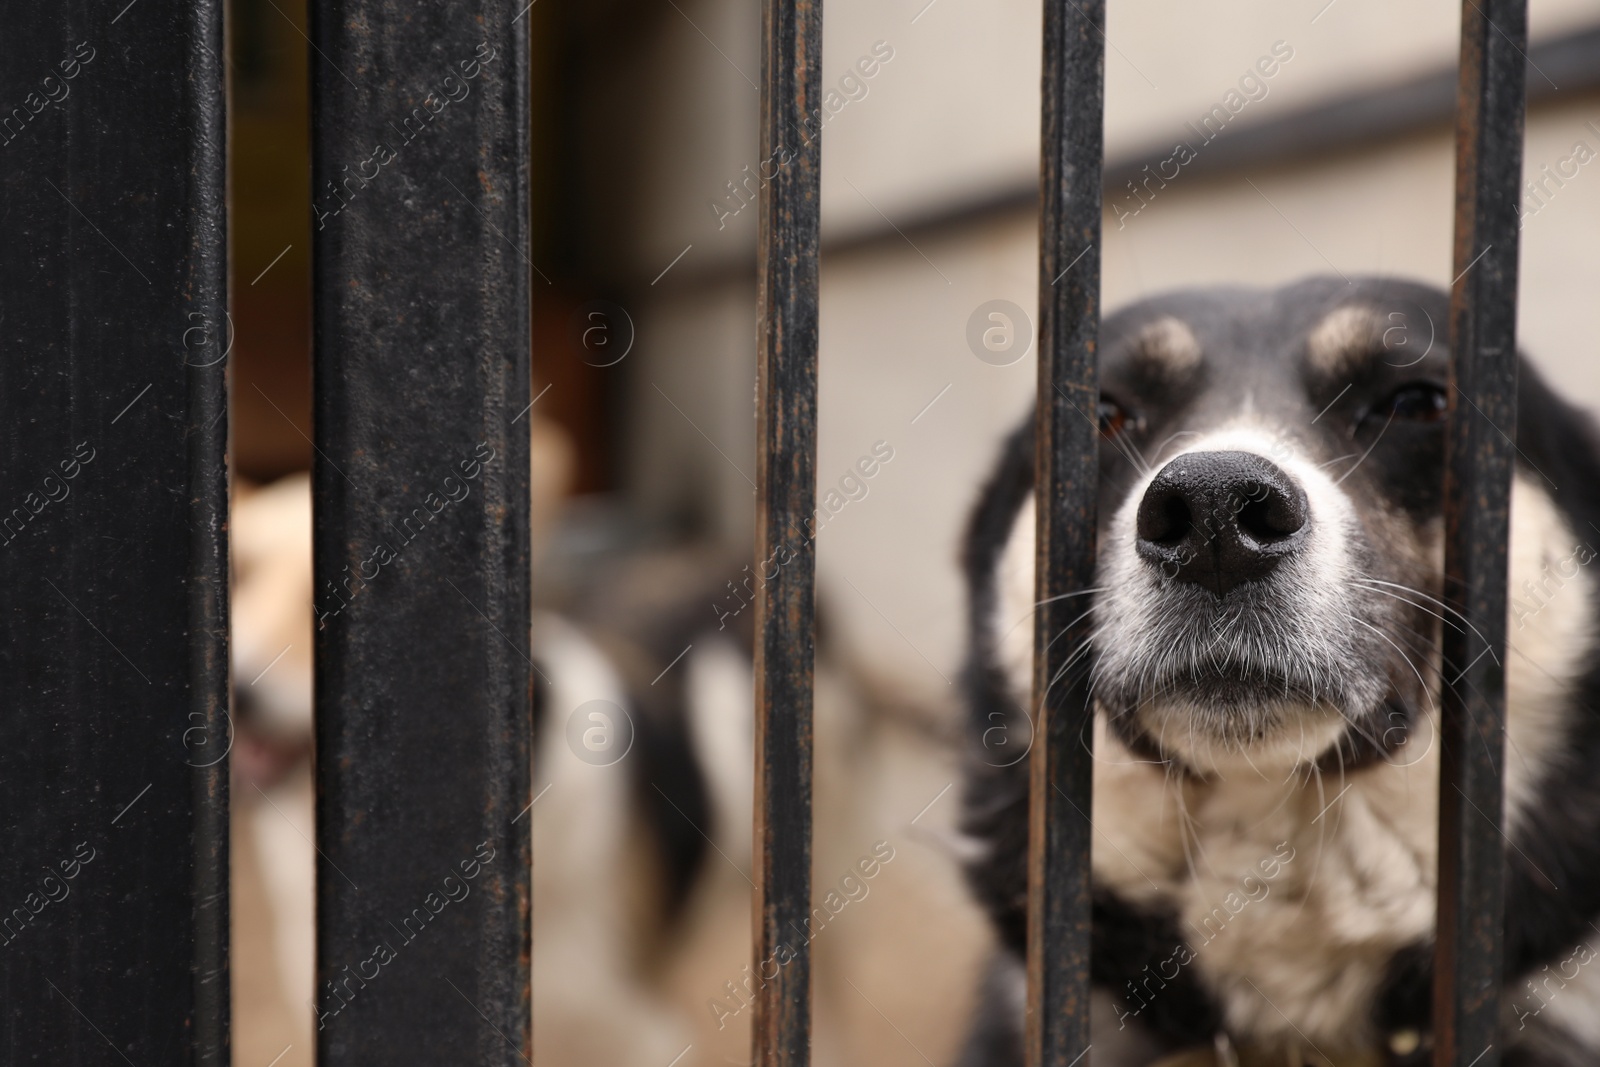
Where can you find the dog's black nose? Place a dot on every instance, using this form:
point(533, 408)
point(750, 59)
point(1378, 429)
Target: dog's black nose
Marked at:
point(1220, 519)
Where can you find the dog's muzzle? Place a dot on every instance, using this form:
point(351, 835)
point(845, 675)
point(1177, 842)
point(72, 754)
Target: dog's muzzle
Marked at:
point(1220, 520)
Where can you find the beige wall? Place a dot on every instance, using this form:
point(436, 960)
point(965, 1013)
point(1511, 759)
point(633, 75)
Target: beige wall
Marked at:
point(955, 112)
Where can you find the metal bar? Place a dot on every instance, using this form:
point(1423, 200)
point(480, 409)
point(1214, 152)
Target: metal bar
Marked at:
point(786, 432)
point(421, 273)
point(1061, 768)
point(113, 536)
point(1477, 485)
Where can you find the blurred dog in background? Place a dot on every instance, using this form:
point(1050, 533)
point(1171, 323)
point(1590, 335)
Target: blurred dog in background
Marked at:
point(642, 827)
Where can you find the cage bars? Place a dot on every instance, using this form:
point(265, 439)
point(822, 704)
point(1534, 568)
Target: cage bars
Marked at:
point(421, 302)
point(114, 728)
point(1061, 762)
point(786, 434)
point(115, 372)
point(1479, 455)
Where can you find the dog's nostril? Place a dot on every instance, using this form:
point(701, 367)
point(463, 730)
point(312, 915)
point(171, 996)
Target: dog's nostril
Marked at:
point(1270, 514)
point(1166, 523)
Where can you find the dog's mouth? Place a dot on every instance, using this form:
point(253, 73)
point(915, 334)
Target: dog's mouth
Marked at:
point(1209, 710)
point(1225, 690)
point(1240, 687)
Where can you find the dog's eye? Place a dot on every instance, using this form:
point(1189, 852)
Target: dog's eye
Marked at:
point(1113, 418)
point(1417, 402)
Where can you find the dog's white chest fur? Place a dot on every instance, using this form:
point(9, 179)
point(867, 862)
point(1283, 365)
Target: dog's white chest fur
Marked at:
point(1293, 890)
point(1291, 897)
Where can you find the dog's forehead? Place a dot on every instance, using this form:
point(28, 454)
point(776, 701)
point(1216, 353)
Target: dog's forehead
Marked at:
point(1314, 331)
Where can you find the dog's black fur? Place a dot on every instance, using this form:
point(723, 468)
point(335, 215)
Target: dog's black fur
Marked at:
point(1557, 843)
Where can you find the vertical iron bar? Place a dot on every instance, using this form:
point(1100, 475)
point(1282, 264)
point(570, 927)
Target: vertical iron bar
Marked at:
point(1478, 469)
point(113, 536)
point(786, 432)
point(1061, 766)
point(420, 160)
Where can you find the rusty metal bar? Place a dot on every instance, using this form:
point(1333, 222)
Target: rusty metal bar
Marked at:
point(786, 432)
point(1469, 967)
point(420, 190)
point(114, 735)
point(1061, 764)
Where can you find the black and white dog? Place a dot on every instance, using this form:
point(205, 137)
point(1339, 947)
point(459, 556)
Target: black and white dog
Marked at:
point(1265, 665)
